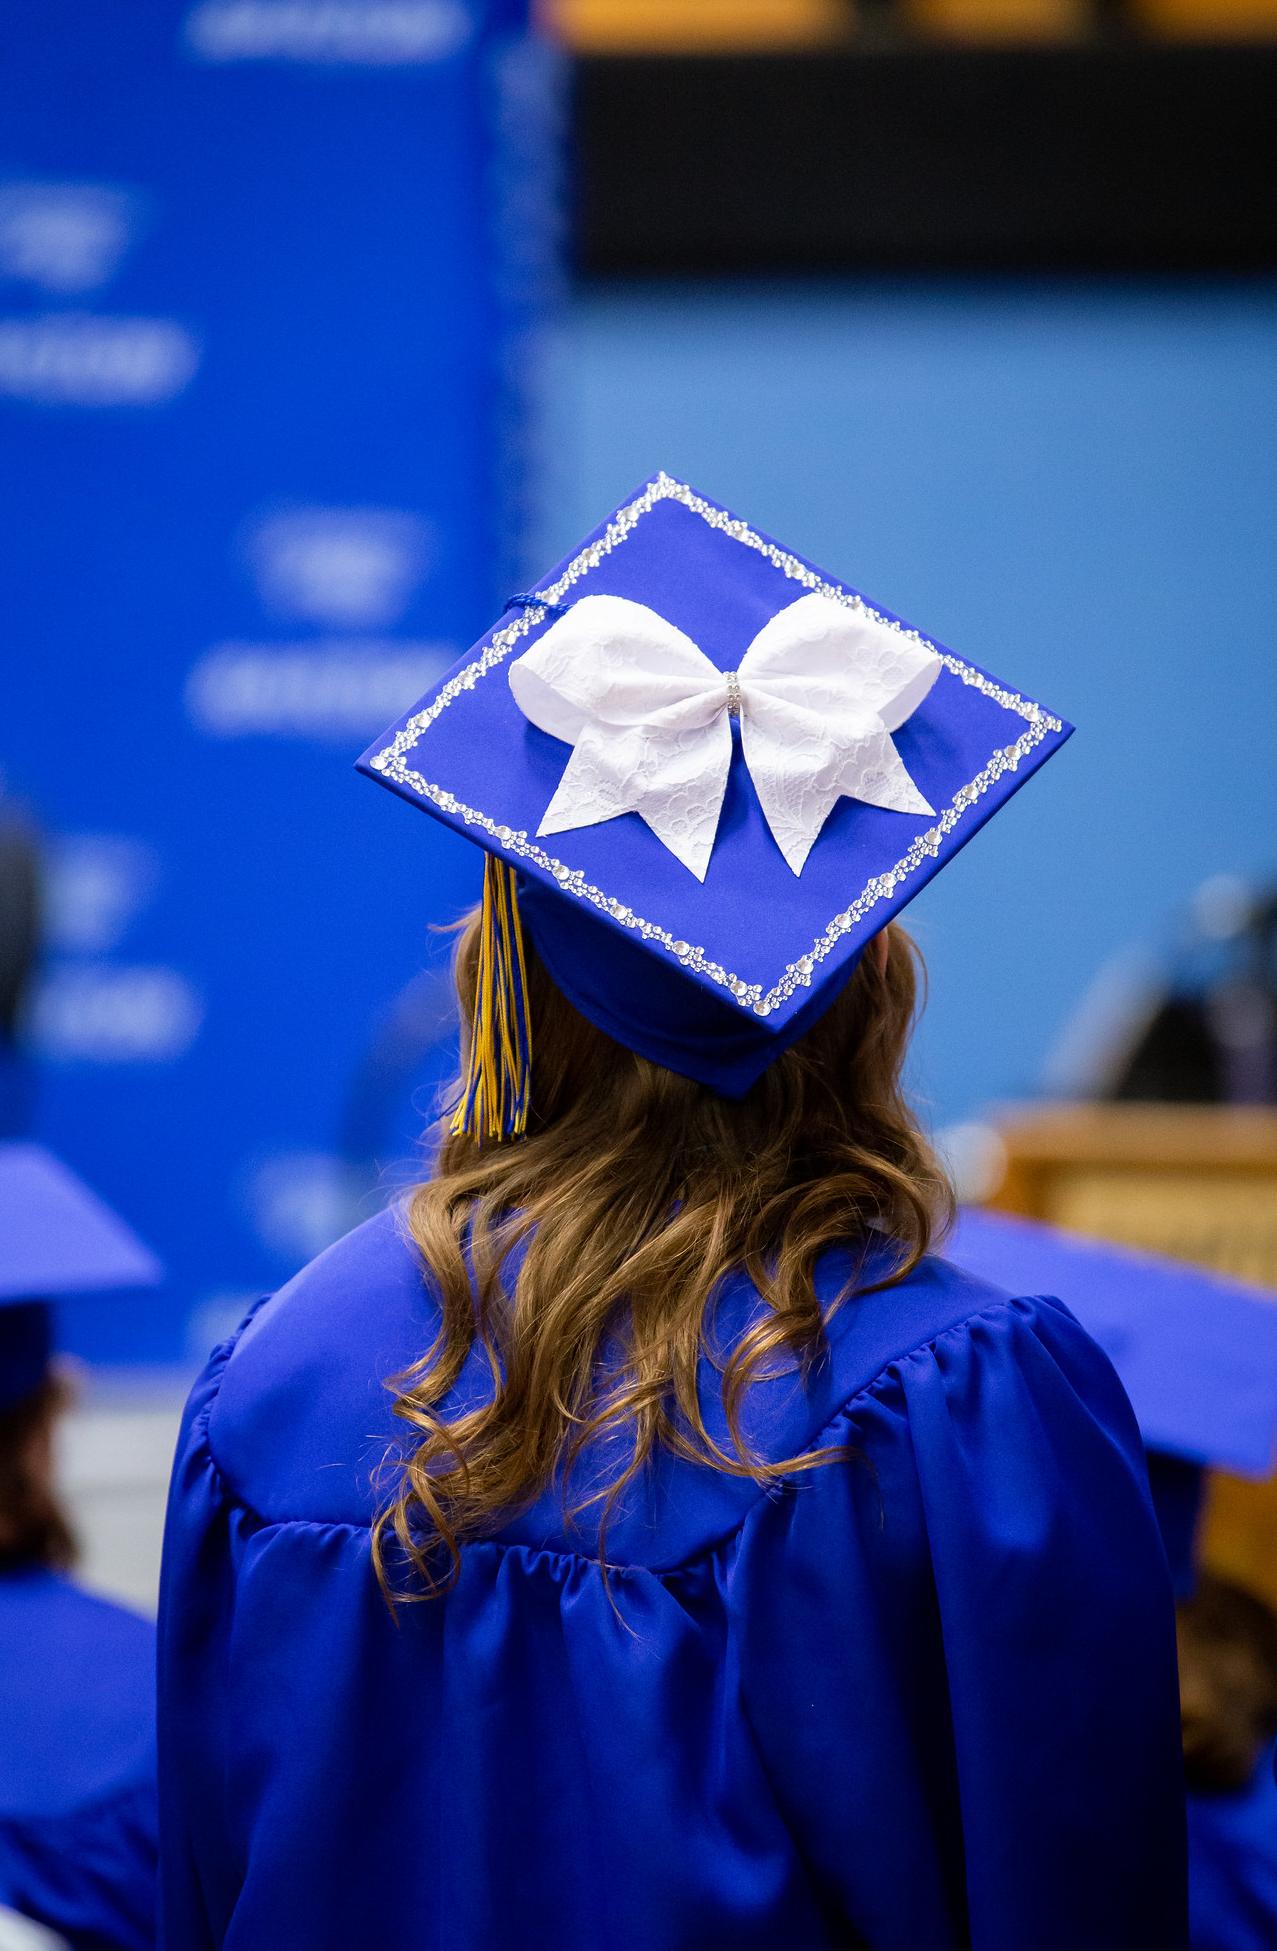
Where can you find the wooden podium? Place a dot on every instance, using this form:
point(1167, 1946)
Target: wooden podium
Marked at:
point(1196, 1183)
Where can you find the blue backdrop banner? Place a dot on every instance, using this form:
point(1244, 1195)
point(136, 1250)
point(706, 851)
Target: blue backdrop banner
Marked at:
point(272, 278)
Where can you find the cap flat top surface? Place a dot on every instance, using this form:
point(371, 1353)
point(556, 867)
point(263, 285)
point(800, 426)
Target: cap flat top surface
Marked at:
point(57, 1237)
point(1197, 1354)
point(752, 932)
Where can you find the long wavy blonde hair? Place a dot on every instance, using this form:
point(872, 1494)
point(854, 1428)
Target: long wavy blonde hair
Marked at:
point(633, 1193)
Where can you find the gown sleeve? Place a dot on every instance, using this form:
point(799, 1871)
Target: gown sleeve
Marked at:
point(957, 1654)
point(198, 1868)
point(88, 1875)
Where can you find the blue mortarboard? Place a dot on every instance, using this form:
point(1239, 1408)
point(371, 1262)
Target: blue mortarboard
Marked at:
point(1197, 1354)
point(713, 772)
point(56, 1238)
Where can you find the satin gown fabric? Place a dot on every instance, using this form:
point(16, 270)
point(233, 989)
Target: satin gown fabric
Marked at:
point(920, 1699)
point(1232, 1857)
point(77, 1763)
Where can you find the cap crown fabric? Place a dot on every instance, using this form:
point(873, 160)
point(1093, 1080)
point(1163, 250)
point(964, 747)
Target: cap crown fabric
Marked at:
point(56, 1238)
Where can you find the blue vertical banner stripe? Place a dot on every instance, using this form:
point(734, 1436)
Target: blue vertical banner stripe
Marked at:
point(273, 279)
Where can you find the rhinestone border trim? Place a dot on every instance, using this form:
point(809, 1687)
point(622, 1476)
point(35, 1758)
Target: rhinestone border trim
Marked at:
point(392, 762)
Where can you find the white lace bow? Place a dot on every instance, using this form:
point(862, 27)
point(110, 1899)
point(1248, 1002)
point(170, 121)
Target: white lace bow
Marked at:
point(818, 694)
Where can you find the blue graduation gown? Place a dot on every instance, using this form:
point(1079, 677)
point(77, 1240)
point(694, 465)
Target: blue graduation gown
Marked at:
point(77, 1763)
point(923, 1698)
point(1232, 1858)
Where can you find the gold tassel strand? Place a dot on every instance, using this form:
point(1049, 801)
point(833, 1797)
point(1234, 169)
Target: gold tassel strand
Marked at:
point(494, 1100)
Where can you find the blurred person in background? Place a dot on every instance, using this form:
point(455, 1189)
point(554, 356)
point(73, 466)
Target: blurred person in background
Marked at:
point(1228, 1688)
point(639, 1537)
point(77, 1715)
point(1197, 1354)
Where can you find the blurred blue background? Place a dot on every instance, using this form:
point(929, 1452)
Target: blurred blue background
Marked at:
point(271, 280)
point(292, 394)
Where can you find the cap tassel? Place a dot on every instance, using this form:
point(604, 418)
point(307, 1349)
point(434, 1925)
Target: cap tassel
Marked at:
point(494, 1102)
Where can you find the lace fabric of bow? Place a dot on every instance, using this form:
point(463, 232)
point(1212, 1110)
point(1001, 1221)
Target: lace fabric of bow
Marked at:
point(818, 692)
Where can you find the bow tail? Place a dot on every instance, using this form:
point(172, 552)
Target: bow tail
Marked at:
point(873, 771)
point(684, 802)
point(798, 785)
point(676, 784)
point(597, 783)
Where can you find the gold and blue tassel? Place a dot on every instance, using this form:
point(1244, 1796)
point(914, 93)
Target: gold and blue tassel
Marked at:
point(494, 1099)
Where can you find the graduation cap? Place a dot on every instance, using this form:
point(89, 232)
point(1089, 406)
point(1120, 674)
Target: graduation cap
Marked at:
point(705, 773)
point(56, 1238)
point(1196, 1353)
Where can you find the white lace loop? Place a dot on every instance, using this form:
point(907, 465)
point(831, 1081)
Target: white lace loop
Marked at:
point(818, 694)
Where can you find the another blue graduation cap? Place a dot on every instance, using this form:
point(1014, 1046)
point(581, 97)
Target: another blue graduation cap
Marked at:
point(56, 1238)
point(1197, 1354)
point(711, 772)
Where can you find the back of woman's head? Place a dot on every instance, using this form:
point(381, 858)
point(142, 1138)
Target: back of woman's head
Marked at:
point(581, 1257)
point(34, 1529)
